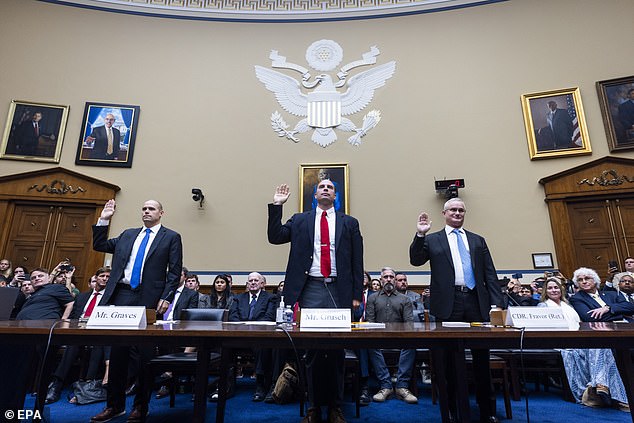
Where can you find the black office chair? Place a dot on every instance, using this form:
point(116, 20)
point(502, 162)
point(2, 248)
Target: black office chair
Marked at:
point(184, 363)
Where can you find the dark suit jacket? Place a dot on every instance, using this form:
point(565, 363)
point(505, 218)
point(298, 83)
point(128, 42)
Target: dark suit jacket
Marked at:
point(562, 128)
point(80, 303)
point(100, 148)
point(161, 270)
point(264, 307)
point(299, 230)
point(626, 114)
point(187, 299)
point(619, 306)
point(434, 248)
point(26, 138)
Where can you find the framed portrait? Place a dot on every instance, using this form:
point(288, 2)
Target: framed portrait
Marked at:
point(34, 131)
point(616, 98)
point(108, 135)
point(542, 261)
point(309, 177)
point(555, 124)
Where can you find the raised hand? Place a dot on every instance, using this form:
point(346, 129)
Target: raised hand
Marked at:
point(424, 224)
point(282, 192)
point(108, 210)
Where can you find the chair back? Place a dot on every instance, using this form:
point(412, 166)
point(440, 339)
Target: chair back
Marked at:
point(208, 314)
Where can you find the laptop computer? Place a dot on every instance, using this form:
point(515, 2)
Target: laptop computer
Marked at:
point(7, 301)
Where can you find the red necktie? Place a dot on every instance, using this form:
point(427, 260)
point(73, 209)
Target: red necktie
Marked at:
point(325, 246)
point(91, 305)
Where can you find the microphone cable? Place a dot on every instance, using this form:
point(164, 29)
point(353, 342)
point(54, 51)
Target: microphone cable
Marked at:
point(40, 372)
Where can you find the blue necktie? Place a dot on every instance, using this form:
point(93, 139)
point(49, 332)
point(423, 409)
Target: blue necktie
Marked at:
point(465, 258)
point(135, 279)
point(254, 299)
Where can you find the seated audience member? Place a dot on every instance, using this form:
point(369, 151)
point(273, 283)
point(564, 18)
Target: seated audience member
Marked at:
point(537, 287)
point(279, 289)
point(612, 282)
point(594, 306)
point(48, 301)
point(25, 291)
point(375, 285)
point(5, 269)
point(63, 274)
point(221, 296)
point(192, 282)
point(20, 274)
point(592, 373)
point(388, 306)
point(525, 297)
point(626, 286)
point(256, 304)
point(3, 282)
point(402, 287)
point(83, 307)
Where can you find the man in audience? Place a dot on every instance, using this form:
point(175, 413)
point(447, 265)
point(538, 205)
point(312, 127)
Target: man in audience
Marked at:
point(389, 306)
point(612, 282)
point(192, 282)
point(82, 309)
point(626, 287)
point(593, 305)
point(48, 301)
point(256, 304)
point(146, 268)
point(402, 285)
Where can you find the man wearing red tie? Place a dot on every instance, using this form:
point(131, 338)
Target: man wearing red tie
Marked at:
point(325, 270)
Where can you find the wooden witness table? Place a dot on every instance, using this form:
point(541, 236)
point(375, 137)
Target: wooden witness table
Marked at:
point(208, 335)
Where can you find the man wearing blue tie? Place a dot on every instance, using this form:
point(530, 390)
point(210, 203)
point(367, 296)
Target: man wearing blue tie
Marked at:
point(463, 287)
point(146, 269)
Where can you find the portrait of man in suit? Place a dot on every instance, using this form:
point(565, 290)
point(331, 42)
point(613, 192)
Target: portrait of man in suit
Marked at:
point(324, 270)
point(146, 271)
point(463, 286)
point(105, 140)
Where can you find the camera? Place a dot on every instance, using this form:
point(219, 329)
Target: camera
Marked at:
point(66, 267)
point(516, 276)
point(198, 195)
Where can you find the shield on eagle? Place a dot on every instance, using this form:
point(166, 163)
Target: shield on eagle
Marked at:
point(324, 109)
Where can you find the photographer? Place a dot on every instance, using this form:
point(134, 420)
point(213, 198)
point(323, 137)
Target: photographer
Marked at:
point(613, 269)
point(20, 274)
point(63, 275)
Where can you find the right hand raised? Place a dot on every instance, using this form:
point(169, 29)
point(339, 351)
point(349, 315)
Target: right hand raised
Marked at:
point(424, 224)
point(108, 210)
point(282, 192)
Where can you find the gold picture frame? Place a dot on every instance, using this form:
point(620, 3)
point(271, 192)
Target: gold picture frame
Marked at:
point(34, 131)
point(555, 124)
point(311, 174)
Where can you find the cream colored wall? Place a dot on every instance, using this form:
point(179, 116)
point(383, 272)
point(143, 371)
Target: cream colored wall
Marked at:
point(451, 110)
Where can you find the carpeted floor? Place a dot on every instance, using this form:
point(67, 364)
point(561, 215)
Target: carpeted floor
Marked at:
point(545, 407)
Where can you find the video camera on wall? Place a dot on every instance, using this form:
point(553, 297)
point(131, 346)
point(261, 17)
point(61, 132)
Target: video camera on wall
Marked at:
point(449, 187)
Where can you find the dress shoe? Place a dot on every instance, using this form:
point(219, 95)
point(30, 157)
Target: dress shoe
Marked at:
point(269, 397)
point(365, 398)
point(131, 390)
point(106, 415)
point(162, 392)
point(259, 394)
point(137, 415)
point(335, 415)
point(489, 419)
point(54, 391)
point(405, 395)
point(313, 415)
point(382, 395)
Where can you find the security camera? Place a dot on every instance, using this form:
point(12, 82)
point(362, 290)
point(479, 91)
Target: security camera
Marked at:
point(198, 195)
point(451, 191)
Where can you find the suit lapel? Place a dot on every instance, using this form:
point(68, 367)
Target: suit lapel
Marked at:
point(444, 242)
point(310, 226)
point(157, 240)
point(472, 248)
point(338, 228)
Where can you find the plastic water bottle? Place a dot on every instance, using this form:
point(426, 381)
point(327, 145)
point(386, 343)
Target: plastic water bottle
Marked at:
point(288, 317)
point(279, 313)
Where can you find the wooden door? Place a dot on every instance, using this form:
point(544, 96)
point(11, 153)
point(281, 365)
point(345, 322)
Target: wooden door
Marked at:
point(44, 235)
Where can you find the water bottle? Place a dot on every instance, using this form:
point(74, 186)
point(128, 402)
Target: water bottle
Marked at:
point(496, 316)
point(279, 314)
point(288, 317)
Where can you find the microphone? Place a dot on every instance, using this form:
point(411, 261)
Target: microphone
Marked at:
point(512, 299)
point(329, 293)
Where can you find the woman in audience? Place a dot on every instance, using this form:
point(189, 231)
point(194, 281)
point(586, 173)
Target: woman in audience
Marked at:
point(279, 289)
point(375, 285)
point(594, 306)
point(20, 274)
point(221, 296)
point(592, 373)
point(5, 269)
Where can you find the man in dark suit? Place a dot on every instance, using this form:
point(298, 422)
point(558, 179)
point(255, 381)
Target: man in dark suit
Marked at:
point(626, 114)
point(84, 304)
point(256, 305)
point(463, 286)
point(321, 273)
point(593, 305)
point(560, 123)
point(146, 268)
point(27, 135)
point(105, 140)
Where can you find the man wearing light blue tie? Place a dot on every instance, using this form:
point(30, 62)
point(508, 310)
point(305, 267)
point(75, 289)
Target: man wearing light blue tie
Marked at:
point(463, 287)
point(146, 270)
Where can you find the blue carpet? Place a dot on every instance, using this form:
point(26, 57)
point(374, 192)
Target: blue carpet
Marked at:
point(545, 407)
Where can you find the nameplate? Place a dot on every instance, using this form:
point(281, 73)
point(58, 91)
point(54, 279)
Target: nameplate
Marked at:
point(117, 317)
point(536, 317)
point(325, 319)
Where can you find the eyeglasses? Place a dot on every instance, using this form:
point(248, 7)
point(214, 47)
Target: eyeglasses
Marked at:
point(585, 278)
point(456, 210)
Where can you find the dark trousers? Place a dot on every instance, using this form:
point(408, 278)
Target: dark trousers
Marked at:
point(120, 358)
point(324, 368)
point(98, 355)
point(466, 309)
